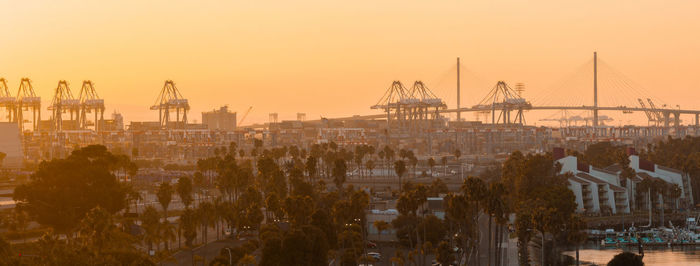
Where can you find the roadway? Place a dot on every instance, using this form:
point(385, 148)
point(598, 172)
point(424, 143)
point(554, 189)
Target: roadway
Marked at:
point(489, 109)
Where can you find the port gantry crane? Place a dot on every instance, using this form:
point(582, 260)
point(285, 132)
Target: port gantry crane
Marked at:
point(425, 106)
point(502, 100)
point(169, 100)
point(6, 100)
point(63, 101)
point(656, 112)
point(651, 117)
point(27, 100)
point(409, 109)
point(90, 102)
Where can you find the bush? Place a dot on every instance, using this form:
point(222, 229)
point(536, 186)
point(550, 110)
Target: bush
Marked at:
point(626, 259)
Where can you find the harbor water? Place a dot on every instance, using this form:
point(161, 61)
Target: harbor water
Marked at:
point(687, 255)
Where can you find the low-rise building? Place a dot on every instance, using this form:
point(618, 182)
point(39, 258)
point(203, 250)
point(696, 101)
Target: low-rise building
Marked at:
point(599, 190)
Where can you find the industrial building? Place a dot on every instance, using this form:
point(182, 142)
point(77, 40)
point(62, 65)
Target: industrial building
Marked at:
point(221, 119)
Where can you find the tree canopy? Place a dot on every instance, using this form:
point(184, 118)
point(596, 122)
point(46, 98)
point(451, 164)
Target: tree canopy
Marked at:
point(62, 191)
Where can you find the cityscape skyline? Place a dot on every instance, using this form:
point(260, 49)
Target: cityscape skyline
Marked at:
point(288, 62)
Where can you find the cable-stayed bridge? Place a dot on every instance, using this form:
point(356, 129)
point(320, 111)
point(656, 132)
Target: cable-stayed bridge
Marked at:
point(418, 107)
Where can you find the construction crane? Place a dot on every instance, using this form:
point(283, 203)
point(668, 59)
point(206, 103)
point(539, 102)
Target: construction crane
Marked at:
point(169, 100)
point(90, 102)
point(244, 116)
point(6, 99)
point(25, 100)
point(63, 101)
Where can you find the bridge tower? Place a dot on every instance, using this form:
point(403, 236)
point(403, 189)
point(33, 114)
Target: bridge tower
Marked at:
point(595, 89)
point(459, 113)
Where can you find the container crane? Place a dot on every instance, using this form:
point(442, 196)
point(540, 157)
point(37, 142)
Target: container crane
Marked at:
point(63, 101)
point(26, 100)
point(90, 102)
point(169, 100)
point(648, 113)
point(659, 116)
point(6, 99)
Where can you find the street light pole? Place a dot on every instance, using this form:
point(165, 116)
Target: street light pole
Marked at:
point(230, 262)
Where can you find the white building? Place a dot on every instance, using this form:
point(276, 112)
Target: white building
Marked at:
point(599, 190)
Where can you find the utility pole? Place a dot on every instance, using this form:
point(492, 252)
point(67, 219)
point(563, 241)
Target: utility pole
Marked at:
point(595, 89)
point(459, 113)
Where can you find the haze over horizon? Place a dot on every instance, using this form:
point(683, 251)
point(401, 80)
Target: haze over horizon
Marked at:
point(329, 59)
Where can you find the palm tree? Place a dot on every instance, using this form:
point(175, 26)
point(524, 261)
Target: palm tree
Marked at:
point(165, 195)
point(431, 164)
point(134, 197)
point(413, 161)
point(496, 209)
point(184, 190)
point(381, 156)
point(150, 219)
point(167, 233)
point(370, 166)
point(311, 167)
point(389, 154)
point(444, 165)
point(475, 191)
point(206, 213)
point(339, 173)
point(400, 169)
point(220, 209)
point(458, 154)
point(188, 226)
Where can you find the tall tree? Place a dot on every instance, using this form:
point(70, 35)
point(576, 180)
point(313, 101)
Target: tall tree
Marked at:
point(188, 221)
point(400, 169)
point(431, 164)
point(444, 165)
point(184, 190)
point(475, 191)
point(311, 167)
point(339, 173)
point(150, 221)
point(61, 191)
point(370, 166)
point(165, 196)
point(207, 218)
point(166, 233)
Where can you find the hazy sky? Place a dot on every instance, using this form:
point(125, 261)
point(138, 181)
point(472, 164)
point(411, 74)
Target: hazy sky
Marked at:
point(336, 58)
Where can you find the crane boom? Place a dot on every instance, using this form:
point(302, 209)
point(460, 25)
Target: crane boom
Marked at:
point(659, 117)
point(646, 112)
point(244, 116)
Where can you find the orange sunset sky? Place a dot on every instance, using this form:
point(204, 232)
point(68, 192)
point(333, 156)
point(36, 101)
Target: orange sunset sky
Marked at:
point(336, 58)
